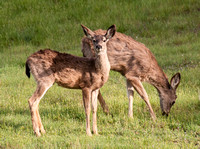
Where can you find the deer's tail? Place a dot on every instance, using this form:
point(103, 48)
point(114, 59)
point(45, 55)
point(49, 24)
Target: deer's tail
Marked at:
point(27, 70)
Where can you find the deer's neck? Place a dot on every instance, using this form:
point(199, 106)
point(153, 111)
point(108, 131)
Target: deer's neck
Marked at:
point(102, 63)
point(160, 82)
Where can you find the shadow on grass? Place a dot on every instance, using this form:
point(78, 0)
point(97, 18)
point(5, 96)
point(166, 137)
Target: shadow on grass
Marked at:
point(8, 111)
point(9, 124)
point(51, 113)
point(182, 116)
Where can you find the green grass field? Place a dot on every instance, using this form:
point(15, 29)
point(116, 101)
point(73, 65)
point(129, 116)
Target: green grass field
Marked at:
point(171, 29)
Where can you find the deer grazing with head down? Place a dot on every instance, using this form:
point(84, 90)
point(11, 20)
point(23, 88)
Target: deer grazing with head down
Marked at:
point(136, 62)
point(88, 74)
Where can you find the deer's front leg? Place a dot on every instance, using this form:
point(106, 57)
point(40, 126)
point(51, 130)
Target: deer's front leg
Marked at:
point(130, 92)
point(141, 91)
point(94, 110)
point(86, 102)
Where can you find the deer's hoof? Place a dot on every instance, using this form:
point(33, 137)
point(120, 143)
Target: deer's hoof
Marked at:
point(43, 131)
point(89, 134)
point(38, 134)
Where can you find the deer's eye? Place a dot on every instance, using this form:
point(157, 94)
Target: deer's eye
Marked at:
point(104, 39)
point(94, 40)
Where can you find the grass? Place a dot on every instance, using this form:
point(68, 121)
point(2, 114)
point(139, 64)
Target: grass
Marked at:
point(171, 29)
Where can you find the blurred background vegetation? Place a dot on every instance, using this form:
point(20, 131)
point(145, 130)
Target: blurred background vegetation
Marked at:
point(169, 28)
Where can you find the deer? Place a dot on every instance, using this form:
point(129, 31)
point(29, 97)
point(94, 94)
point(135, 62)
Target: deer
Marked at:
point(137, 64)
point(69, 71)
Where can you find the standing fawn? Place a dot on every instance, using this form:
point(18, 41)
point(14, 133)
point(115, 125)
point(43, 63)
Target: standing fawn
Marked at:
point(88, 74)
point(136, 62)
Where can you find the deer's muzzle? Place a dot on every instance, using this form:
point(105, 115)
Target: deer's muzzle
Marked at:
point(165, 114)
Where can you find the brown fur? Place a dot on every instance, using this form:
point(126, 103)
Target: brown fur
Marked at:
point(136, 62)
point(88, 74)
point(66, 70)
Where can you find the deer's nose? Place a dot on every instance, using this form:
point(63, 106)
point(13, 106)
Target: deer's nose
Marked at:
point(165, 114)
point(98, 47)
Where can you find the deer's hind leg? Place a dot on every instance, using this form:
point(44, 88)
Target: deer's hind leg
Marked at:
point(33, 104)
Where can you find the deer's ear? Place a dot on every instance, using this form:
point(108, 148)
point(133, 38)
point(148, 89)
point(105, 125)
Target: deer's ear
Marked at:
point(110, 32)
point(175, 80)
point(87, 32)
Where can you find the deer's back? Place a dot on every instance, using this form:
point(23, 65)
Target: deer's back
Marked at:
point(65, 69)
point(127, 56)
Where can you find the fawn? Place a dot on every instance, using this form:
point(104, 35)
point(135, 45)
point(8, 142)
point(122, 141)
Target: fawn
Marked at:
point(88, 74)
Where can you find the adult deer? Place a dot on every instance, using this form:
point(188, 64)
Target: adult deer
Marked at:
point(136, 62)
point(88, 74)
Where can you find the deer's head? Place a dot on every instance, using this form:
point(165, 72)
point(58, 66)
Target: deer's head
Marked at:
point(99, 41)
point(168, 96)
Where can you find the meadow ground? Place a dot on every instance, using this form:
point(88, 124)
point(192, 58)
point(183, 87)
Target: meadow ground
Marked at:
point(170, 29)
